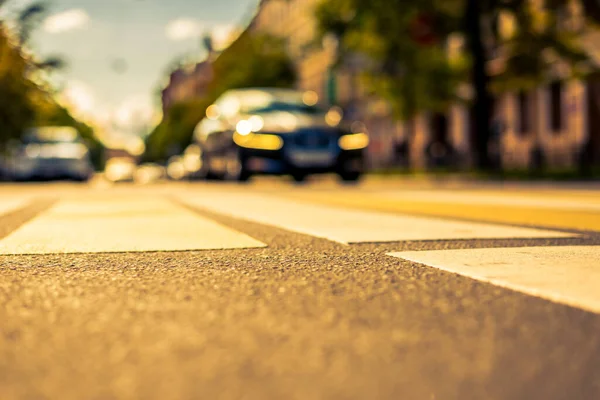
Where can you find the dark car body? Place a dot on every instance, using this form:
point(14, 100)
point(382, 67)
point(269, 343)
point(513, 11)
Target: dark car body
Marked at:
point(277, 132)
point(50, 153)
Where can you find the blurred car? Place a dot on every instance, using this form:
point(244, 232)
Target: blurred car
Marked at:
point(192, 162)
point(50, 153)
point(278, 132)
point(176, 168)
point(3, 168)
point(120, 169)
point(147, 173)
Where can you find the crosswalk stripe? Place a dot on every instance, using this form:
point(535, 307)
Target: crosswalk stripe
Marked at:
point(557, 215)
point(352, 226)
point(563, 274)
point(136, 224)
point(11, 204)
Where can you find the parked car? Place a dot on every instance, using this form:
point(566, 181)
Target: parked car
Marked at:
point(50, 153)
point(192, 162)
point(4, 175)
point(278, 132)
point(176, 168)
point(149, 173)
point(120, 169)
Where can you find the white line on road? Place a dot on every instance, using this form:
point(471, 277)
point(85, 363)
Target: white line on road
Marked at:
point(565, 274)
point(12, 203)
point(352, 226)
point(121, 225)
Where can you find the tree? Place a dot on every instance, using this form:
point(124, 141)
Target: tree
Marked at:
point(48, 112)
point(264, 60)
point(23, 103)
point(25, 22)
point(16, 110)
point(541, 41)
point(251, 61)
point(406, 64)
point(405, 39)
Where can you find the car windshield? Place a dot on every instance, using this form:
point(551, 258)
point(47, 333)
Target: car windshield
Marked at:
point(51, 136)
point(283, 106)
point(259, 102)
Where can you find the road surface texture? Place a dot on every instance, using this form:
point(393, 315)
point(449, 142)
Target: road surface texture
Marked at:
point(387, 290)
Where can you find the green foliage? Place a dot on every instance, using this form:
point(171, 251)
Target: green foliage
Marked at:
point(418, 75)
point(23, 104)
point(28, 19)
point(251, 61)
point(49, 113)
point(411, 76)
point(543, 39)
point(16, 110)
point(175, 130)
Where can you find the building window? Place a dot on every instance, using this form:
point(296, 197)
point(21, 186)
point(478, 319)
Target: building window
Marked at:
point(556, 107)
point(440, 128)
point(524, 113)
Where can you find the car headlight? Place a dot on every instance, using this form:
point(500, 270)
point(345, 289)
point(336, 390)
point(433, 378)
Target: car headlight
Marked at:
point(83, 152)
point(32, 151)
point(258, 141)
point(354, 141)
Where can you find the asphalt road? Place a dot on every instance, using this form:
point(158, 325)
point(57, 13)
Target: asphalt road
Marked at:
point(296, 313)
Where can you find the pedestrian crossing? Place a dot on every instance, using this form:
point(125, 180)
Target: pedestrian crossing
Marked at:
point(105, 223)
point(563, 274)
point(123, 225)
point(10, 204)
point(538, 208)
point(354, 226)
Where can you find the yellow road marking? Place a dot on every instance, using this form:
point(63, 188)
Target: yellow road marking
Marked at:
point(352, 226)
point(562, 219)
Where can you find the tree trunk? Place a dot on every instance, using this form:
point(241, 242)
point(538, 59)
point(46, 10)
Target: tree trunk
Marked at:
point(482, 104)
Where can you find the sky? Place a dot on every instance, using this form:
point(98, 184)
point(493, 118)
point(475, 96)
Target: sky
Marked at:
point(118, 52)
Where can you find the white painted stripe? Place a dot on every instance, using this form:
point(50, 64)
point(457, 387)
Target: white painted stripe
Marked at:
point(12, 203)
point(507, 200)
point(121, 225)
point(352, 226)
point(564, 274)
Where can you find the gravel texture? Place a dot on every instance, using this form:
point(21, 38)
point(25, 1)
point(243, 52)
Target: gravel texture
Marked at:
point(304, 318)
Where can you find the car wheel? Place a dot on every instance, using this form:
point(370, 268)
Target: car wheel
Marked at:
point(350, 177)
point(81, 179)
point(207, 173)
point(235, 169)
point(299, 177)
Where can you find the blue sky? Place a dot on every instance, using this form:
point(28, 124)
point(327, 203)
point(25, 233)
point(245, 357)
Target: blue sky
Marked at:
point(99, 37)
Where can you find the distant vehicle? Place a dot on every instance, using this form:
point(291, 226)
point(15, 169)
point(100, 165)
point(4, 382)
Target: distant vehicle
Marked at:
point(176, 168)
point(4, 174)
point(50, 153)
point(192, 162)
point(278, 132)
point(148, 173)
point(120, 169)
